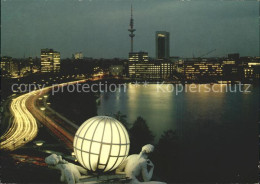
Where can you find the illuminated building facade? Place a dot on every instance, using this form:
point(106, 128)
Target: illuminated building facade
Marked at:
point(78, 55)
point(197, 69)
point(8, 66)
point(252, 70)
point(138, 62)
point(227, 69)
point(138, 57)
point(166, 69)
point(162, 41)
point(141, 68)
point(6, 63)
point(50, 60)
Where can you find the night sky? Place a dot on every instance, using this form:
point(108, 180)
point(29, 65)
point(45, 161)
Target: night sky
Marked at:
point(98, 28)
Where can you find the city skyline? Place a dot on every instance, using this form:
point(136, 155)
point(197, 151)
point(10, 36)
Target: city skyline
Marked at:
point(130, 91)
point(228, 27)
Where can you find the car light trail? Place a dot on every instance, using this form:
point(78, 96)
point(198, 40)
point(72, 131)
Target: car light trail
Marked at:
point(24, 127)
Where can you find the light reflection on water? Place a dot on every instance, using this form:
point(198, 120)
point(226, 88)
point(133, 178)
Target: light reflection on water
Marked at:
point(166, 110)
point(218, 130)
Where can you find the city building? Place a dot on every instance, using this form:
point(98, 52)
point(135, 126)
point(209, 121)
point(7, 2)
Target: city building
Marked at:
point(166, 70)
point(6, 63)
point(252, 71)
point(78, 55)
point(195, 69)
point(138, 61)
point(141, 68)
point(50, 60)
point(9, 66)
point(162, 44)
point(232, 69)
point(138, 57)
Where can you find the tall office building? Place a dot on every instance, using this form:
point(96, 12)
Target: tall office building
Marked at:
point(50, 60)
point(162, 41)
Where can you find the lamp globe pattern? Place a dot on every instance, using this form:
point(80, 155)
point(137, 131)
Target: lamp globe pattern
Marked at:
point(101, 144)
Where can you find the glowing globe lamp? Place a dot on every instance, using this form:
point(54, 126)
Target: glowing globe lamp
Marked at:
point(101, 144)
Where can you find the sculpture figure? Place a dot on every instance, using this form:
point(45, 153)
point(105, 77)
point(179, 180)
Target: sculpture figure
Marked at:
point(138, 164)
point(70, 173)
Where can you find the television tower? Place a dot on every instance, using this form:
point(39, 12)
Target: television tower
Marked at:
point(131, 29)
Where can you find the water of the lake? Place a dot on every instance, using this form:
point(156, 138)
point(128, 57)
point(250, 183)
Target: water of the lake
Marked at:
point(219, 130)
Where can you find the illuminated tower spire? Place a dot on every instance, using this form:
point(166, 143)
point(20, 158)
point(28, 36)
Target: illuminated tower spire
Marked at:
point(131, 29)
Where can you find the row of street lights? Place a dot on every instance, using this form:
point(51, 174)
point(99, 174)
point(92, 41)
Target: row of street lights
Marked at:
point(40, 143)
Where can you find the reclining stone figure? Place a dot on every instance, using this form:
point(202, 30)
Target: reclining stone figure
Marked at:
point(138, 164)
point(70, 173)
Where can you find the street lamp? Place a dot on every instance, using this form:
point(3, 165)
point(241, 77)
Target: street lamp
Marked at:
point(43, 109)
point(101, 144)
point(39, 143)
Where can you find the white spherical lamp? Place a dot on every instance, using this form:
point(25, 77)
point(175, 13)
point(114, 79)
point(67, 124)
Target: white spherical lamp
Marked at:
point(101, 144)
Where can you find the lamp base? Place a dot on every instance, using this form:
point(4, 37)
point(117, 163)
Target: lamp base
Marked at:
point(105, 178)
